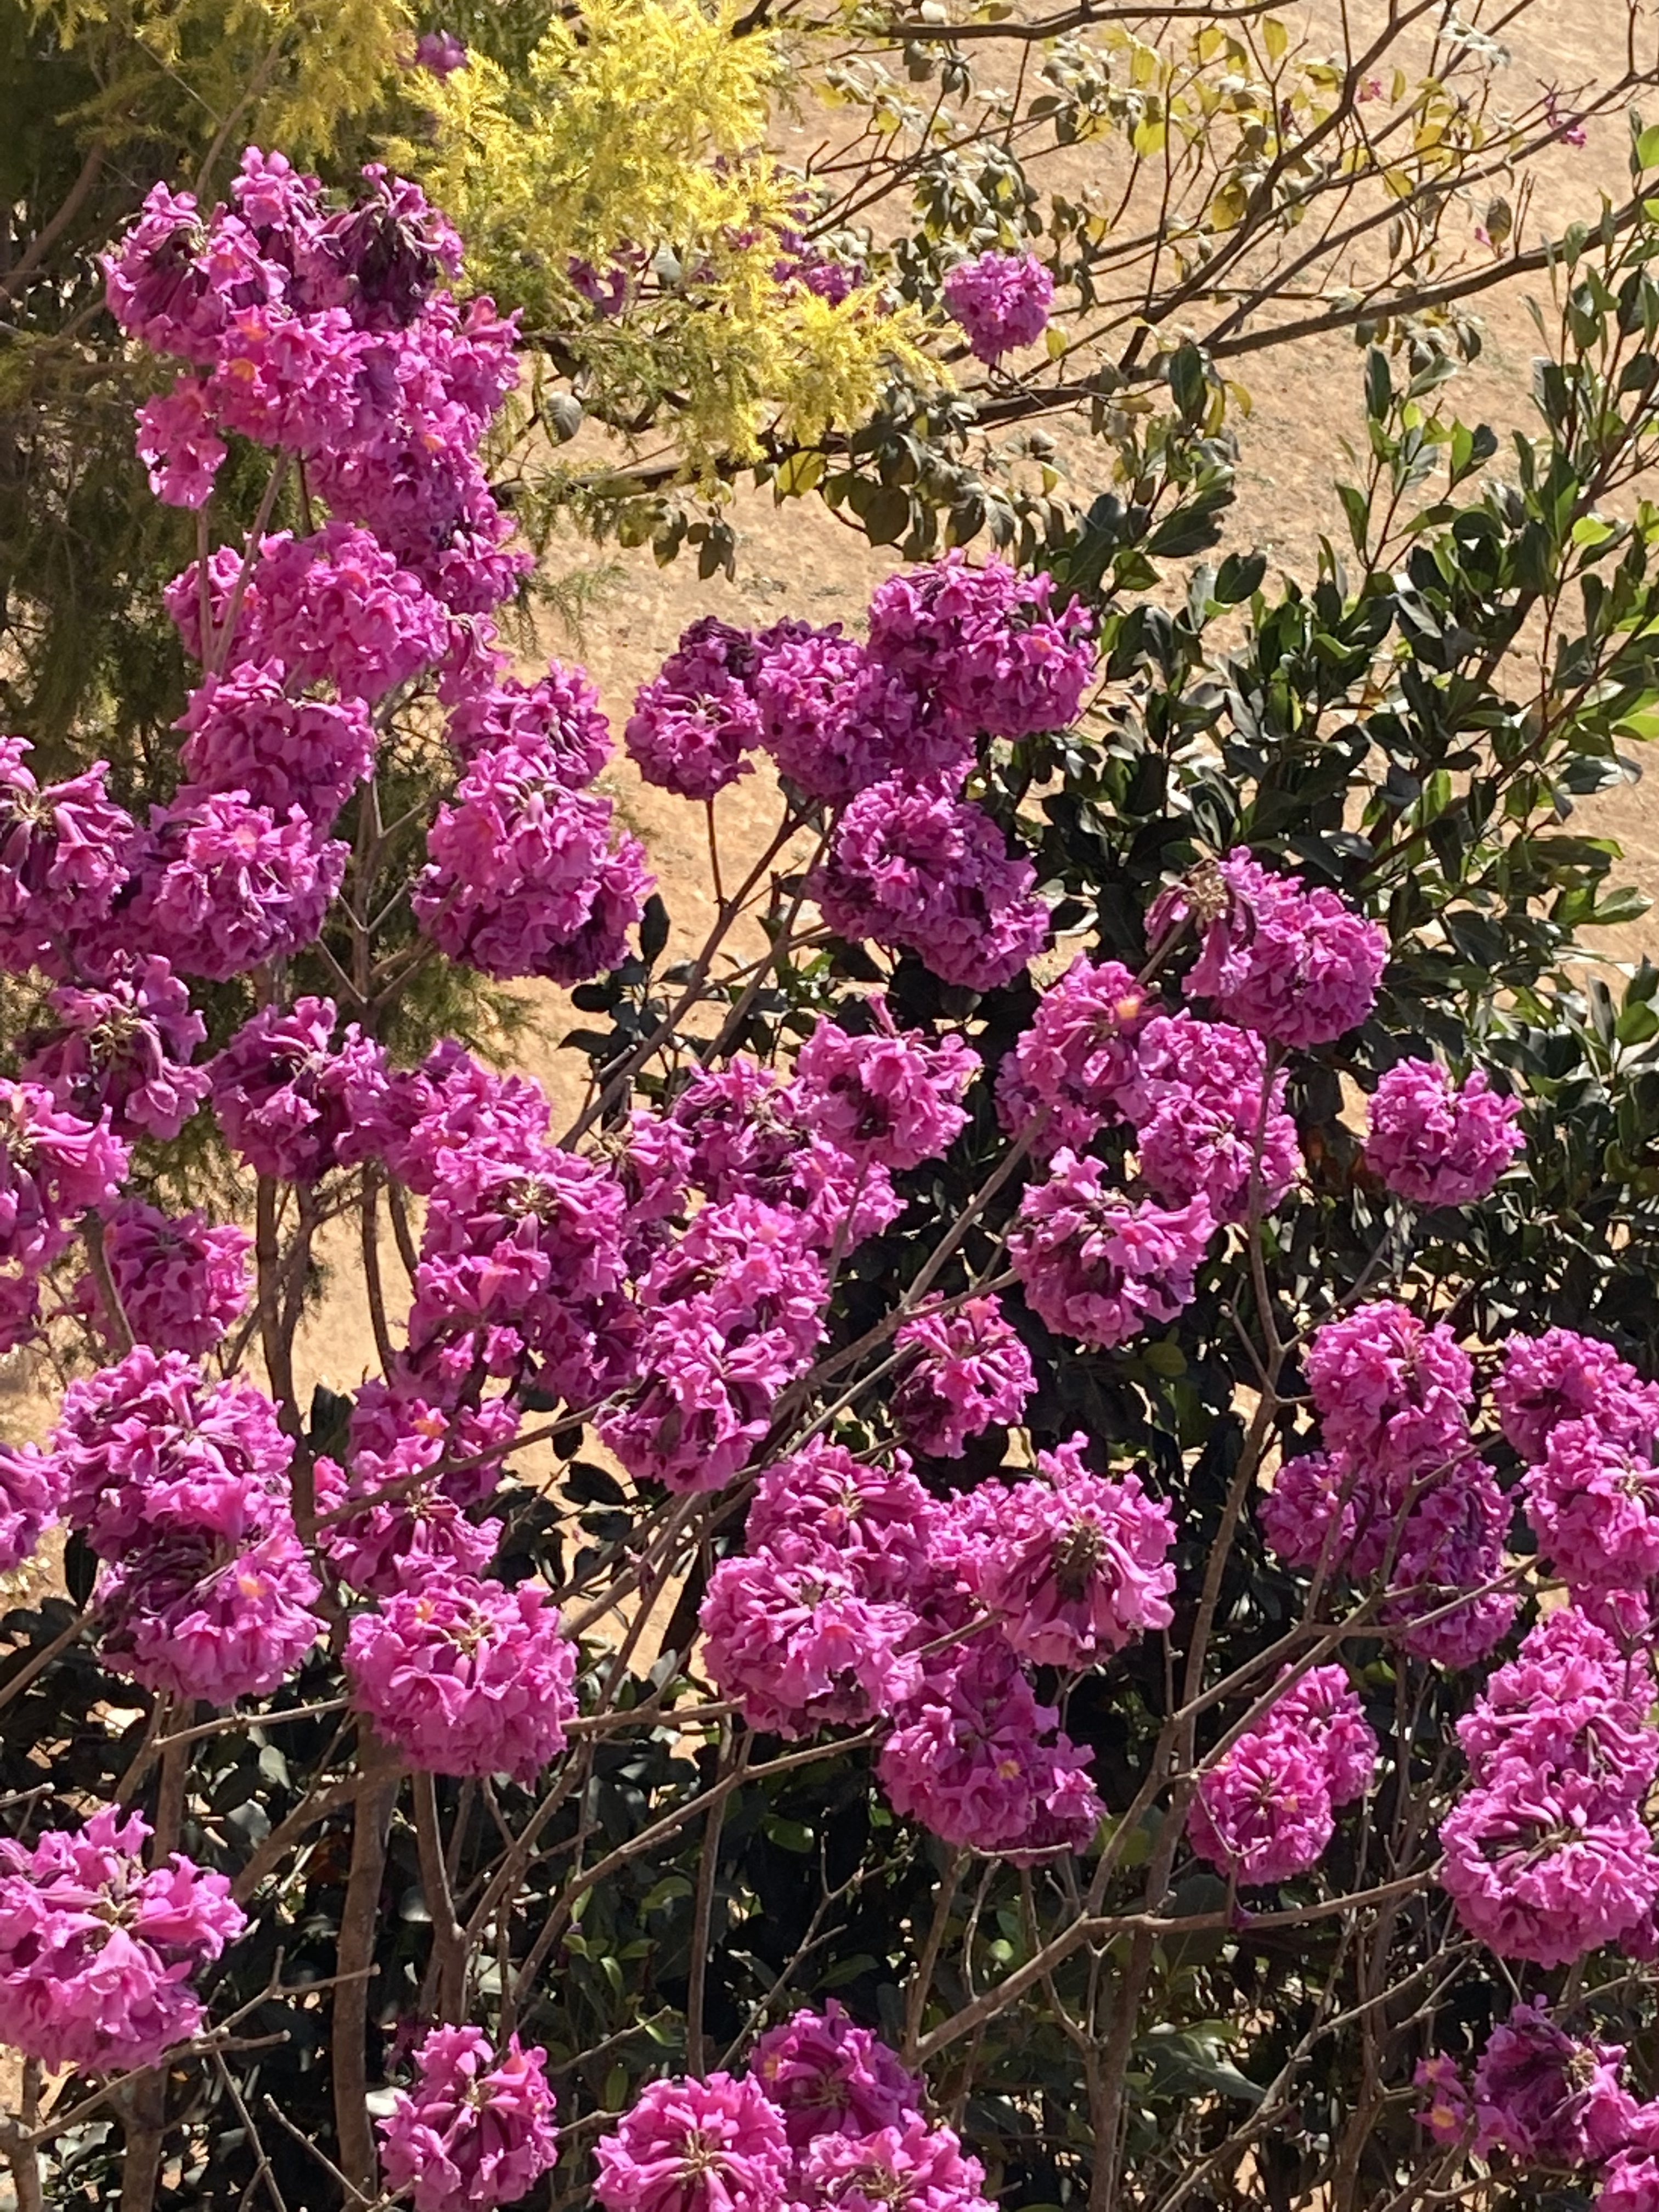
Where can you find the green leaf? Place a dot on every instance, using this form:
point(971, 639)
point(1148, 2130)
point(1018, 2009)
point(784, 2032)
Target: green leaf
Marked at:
point(1646, 151)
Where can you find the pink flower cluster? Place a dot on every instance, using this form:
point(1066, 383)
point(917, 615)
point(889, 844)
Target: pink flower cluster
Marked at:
point(477, 2130)
point(180, 1280)
point(54, 1168)
point(969, 1372)
point(825, 2116)
point(1297, 967)
point(1267, 1809)
point(181, 1485)
point(1547, 1856)
point(1001, 301)
point(96, 1955)
point(1437, 1142)
point(465, 1677)
point(401, 1510)
point(1400, 1489)
point(860, 1600)
point(1096, 1266)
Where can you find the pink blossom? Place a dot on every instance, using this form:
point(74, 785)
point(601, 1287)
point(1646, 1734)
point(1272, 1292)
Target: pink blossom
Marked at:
point(178, 1614)
point(1437, 1143)
point(1543, 1867)
point(65, 852)
point(717, 2145)
point(525, 878)
point(836, 720)
point(1076, 1062)
point(1263, 1813)
point(247, 735)
point(558, 717)
point(477, 2128)
point(1312, 1495)
point(96, 1955)
point(285, 1095)
point(1563, 1376)
point(872, 1522)
point(225, 886)
point(1078, 1566)
point(1209, 1123)
point(798, 1647)
point(1299, 967)
point(697, 718)
point(149, 1447)
point(53, 1168)
point(1447, 2116)
point(31, 1500)
point(913, 867)
point(906, 2167)
point(1594, 1505)
point(1096, 1268)
point(124, 1049)
point(1629, 2179)
point(985, 643)
point(440, 53)
point(179, 445)
point(1389, 1391)
point(1453, 1540)
point(1568, 1701)
point(970, 1372)
point(970, 1762)
point(1001, 301)
point(826, 2075)
point(883, 1094)
point(181, 1280)
point(1545, 2098)
point(465, 1677)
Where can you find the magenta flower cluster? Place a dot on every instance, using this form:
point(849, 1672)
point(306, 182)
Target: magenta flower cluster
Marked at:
point(825, 2115)
point(97, 1954)
point(1265, 1810)
point(1001, 301)
point(476, 2130)
point(1437, 1142)
point(860, 1600)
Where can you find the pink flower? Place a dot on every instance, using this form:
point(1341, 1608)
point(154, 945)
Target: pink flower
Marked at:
point(1542, 1866)
point(53, 1168)
point(1447, 2115)
point(1453, 1539)
point(559, 717)
point(717, 2145)
point(822, 1503)
point(1096, 1268)
point(524, 879)
point(65, 852)
point(906, 2167)
point(836, 720)
point(31, 1500)
point(225, 886)
point(694, 722)
point(178, 1614)
point(124, 1048)
point(1561, 1376)
point(799, 1650)
point(1207, 1119)
point(1437, 1143)
point(1081, 1568)
point(1568, 1701)
point(1389, 1391)
point(885, 1095)
point(477, 2128)
point(96, 1955)
point(1001, 301)
point(149, 1447)
point(181, 1280)
point(969, 1760)
point(1264, 1813)
point(246, 735)
point(1594, 1505)
point(440, 53)
point(179, 445)
point(1311, 1495)
point(1299, 967)
point(913, 867)
point(826, 2075)
point(970, 1372)
point(464, 1677)
point(285, 1095)
point(1547, 2099)
point(1076, 1062)
point(1630, 2180)
point(986, 644)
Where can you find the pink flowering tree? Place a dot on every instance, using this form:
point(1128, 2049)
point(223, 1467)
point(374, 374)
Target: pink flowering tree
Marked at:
point(979, 1584)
